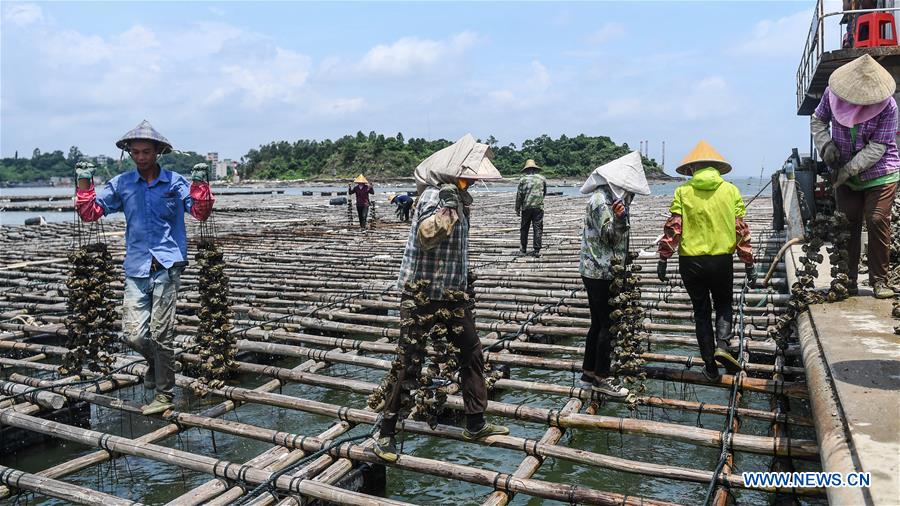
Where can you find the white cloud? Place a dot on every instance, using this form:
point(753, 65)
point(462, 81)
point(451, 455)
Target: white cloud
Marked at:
point(69, 48)
point(779, 37)
point(540, 77)
point(23, 14)
point(705, 99)
point(341, 106)
point(607, 32)
point(623, 108)
point(411, 54)
point(279, 78)
point(217, 11)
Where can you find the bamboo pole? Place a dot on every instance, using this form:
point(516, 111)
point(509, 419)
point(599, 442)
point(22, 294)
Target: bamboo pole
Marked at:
point(249, 474)
point(59, 489)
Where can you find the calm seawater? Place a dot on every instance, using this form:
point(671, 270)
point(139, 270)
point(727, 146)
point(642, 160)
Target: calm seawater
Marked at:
point(748, 186)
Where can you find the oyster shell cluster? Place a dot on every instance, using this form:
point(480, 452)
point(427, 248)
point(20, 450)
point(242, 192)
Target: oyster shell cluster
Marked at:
point(424, 392)
point(215, 342)
point(92, 311)
point(822, 228)
point(627, 324)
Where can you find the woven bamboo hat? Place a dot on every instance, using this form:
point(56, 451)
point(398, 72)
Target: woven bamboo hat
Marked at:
point(361, 179)
point(531, 164)
point(145, 132)
point(703, 155)
point(862, 82)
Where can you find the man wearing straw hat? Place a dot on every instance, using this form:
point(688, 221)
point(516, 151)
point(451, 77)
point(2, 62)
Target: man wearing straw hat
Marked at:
point(861, 150)
point(437, 251)
point(605, 235)
point(706, 228)
point(404, 205)
point(154, 201)
point(362, 190)
point(530, 205)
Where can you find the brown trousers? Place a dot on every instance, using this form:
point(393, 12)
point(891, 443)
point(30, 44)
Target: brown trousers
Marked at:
point(873, 205)
point(471, 369)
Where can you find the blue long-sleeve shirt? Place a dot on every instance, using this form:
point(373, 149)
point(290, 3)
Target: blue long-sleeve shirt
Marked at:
point(154, 218)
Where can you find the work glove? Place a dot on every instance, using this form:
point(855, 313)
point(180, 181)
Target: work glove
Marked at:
point(863, 160)
point(831, 155)
point(842, 175)
point(750, 271)
point(518, 212)
point(449, 196)
point(200, 172)
point(85, 170)
point(661, 270)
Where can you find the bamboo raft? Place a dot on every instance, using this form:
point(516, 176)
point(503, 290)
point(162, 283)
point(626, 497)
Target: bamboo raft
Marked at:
point(316, 312)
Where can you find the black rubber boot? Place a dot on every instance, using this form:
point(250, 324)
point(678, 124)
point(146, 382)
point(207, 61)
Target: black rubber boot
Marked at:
point(723, 338)
point(711, 372)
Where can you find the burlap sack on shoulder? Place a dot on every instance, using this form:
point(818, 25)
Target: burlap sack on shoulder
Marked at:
point(436, 228)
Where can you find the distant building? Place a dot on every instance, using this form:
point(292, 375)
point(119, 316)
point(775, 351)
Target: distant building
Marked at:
point(101, 159)
point(221, 169)
point(212, 158)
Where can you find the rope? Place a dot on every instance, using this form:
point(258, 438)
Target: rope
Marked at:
point(511, 336)
point(727, 434)
point(269, 484)
point(92, 381)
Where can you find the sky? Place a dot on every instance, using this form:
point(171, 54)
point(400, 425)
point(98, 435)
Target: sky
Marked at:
point(229, 76)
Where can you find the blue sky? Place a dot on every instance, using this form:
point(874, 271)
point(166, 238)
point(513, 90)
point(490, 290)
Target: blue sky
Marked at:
point(228, 76)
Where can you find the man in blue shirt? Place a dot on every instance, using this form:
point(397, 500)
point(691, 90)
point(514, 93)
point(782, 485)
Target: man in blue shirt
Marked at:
point(154, 201)
point(404, 204)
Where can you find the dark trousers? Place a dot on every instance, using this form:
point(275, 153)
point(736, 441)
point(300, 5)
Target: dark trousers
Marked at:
point(363, 213)
point(532, 218)
point(705, 276)
point(404, 210)
point(873, 205)
point(469, 358)
point(597, 347)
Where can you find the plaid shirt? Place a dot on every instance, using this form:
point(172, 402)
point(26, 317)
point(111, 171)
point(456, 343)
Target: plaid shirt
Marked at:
point(602, 238)
point(532, 189)
point(881, 129)
point(446, 266)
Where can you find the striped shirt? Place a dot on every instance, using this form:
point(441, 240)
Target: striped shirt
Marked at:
point(445, 266)
point(881, 129)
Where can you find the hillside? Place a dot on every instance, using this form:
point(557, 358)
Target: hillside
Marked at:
point(393, 156)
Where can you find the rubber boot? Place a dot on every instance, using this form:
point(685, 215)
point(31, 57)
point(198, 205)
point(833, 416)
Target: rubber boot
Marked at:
point(722, 355)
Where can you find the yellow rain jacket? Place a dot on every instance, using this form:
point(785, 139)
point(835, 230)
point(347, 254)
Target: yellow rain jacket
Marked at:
point(708, 206)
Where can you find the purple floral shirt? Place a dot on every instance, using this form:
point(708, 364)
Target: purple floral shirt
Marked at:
point(881, 129)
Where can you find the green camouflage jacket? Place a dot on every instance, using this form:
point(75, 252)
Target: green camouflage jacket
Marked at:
point(532, 188)
point(603, 236)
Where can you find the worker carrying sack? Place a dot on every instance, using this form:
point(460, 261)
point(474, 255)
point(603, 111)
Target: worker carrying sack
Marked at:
point(436, 228)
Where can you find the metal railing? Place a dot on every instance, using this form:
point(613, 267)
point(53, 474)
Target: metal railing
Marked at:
point(815, 44)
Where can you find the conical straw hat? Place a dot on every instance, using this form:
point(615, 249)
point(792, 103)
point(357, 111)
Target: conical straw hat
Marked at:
point(145, 132)
point(623, 173)
point(862, 82)
point(531, 164)
point(703, 155)
point(361, 179)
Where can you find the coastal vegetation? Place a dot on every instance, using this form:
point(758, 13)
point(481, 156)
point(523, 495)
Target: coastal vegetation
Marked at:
point(373, 154)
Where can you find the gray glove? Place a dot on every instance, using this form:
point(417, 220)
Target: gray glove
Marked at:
point(863, 160)
point(750, 271)
point(822, 139)
point(831, 155)
point(661, 270)
point(449, 196)
point(85, 170)
point(200, 172)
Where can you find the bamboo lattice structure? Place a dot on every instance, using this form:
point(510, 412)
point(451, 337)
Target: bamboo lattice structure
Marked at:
point(315, 312)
